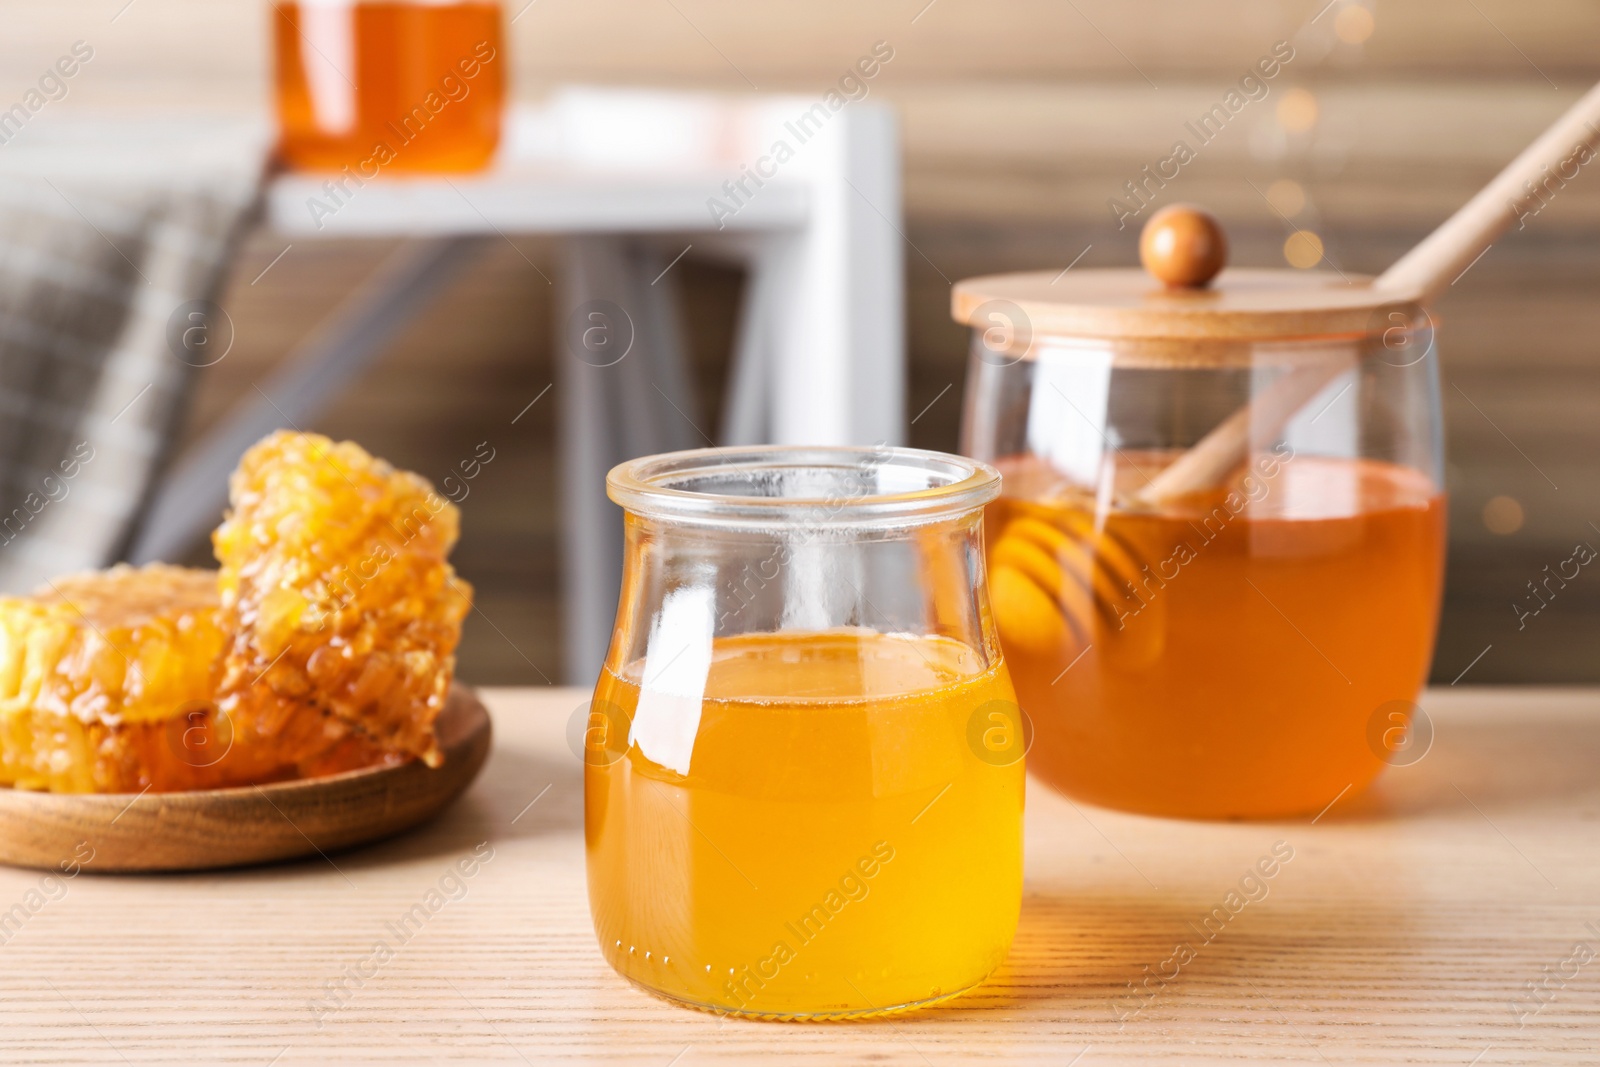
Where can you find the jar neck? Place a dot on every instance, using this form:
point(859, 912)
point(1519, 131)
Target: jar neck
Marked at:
point(687, 586)
point(848, 490)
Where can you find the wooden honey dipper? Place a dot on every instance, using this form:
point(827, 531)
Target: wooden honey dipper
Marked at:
point(1185, 247)
point(1051, 578)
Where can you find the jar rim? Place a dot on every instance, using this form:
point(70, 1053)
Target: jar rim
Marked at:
point(886, 489)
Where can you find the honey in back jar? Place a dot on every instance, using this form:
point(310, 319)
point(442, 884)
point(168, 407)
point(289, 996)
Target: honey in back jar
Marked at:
point(827, 841)
point(1220, 655)
point(388, 86)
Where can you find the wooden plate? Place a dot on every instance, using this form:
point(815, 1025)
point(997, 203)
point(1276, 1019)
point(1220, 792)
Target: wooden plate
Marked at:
point(255, 824)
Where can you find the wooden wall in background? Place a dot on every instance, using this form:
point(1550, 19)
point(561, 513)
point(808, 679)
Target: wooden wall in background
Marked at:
point(1020, 120)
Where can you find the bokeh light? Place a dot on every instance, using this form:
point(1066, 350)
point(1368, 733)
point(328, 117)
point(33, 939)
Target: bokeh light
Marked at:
point(1303, 249)
point(1297, 111)
point(1353, 24)
point(1287, 196)
point(1503, 515)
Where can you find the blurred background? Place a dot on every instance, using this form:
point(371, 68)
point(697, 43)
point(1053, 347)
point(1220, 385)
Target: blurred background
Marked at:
point(1019, 121)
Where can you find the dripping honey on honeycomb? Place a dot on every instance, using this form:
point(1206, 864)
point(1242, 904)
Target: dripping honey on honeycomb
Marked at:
point(325, 643)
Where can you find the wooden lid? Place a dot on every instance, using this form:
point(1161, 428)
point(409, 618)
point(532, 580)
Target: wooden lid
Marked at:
point(1185, 246)
point(1242, 305)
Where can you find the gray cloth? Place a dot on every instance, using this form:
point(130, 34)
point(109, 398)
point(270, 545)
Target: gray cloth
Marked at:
point(114, 236)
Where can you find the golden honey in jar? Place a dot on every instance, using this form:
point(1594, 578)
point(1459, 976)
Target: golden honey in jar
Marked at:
point(1217, 557)
point(388, 86)
point(804, 776)
point(1174, 689)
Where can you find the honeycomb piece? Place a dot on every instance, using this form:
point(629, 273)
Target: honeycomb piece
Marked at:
point(106, 685)
point(336, 592)
point(93, 670)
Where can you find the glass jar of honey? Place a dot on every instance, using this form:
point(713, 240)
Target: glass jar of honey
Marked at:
point(1216, 560)
point(803, 762)
point(388, 86)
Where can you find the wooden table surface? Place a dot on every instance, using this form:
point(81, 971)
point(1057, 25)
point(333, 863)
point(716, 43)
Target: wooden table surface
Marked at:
point(1407, 928)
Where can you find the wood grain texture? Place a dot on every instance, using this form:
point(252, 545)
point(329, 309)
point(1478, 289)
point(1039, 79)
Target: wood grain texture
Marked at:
point(720, 43)
point(213, 828)
point(1403, 930)
point(1242, 304)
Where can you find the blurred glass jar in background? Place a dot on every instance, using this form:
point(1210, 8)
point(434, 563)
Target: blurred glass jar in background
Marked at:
point(389, 85)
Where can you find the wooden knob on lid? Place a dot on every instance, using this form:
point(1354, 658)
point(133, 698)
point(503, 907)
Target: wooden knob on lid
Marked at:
point(1184, 246)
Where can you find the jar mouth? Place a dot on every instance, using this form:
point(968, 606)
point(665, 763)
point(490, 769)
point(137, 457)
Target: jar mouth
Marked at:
point(803, 486)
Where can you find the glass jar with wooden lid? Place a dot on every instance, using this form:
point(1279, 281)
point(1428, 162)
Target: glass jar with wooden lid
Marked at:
point(1215, 564)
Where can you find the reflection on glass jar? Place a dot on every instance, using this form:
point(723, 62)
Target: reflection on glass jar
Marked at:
point(1216, 651)
point(803, 767)
point(388, 85)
